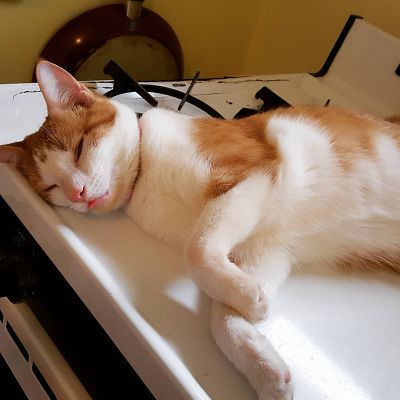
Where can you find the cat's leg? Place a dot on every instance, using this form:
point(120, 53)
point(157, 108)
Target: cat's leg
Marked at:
point(226, 221)
point(251, 353)
point(240, 341)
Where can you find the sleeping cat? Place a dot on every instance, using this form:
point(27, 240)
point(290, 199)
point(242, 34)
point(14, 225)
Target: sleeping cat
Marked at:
point(248, 201)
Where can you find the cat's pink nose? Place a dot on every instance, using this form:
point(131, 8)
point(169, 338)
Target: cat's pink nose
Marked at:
point(77, 194)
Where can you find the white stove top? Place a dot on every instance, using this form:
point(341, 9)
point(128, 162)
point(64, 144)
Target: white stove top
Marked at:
point(339, 335)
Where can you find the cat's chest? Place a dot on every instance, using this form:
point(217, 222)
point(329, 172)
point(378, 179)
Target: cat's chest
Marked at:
point(169, 193)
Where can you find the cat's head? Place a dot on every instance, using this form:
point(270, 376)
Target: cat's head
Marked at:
point(85, 156)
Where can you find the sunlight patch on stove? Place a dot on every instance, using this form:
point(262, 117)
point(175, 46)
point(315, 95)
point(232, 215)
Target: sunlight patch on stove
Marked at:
point(310, 365)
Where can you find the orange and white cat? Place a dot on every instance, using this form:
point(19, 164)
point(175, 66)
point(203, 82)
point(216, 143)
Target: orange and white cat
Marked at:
point(247, 201)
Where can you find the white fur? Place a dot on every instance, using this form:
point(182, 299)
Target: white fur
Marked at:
point(167, 199)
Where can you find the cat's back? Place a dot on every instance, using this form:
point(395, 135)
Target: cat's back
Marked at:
point(316, 162)
point(301, 144)
point(293, 142)
point(280, 143)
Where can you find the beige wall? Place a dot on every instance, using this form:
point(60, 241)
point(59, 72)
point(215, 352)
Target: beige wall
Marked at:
point(219, 37)
point(296, 36)
point(26, 25)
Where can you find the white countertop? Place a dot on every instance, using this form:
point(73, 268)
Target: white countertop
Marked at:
point(339, 335)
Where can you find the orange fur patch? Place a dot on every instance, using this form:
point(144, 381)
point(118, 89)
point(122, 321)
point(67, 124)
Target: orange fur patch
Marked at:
point(64, 130)
point(235, 149)
point(373, 261)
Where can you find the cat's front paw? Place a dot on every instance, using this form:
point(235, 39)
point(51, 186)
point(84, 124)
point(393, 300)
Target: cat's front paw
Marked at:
point(249, 300)
point(259, 310)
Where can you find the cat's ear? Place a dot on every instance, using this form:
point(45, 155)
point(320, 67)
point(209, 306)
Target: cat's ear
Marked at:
point(11, 154)
point(60, 89)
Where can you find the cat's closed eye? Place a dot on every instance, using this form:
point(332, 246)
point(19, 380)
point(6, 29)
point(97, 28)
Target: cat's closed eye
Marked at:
point(78, 150)
point(48, 189)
